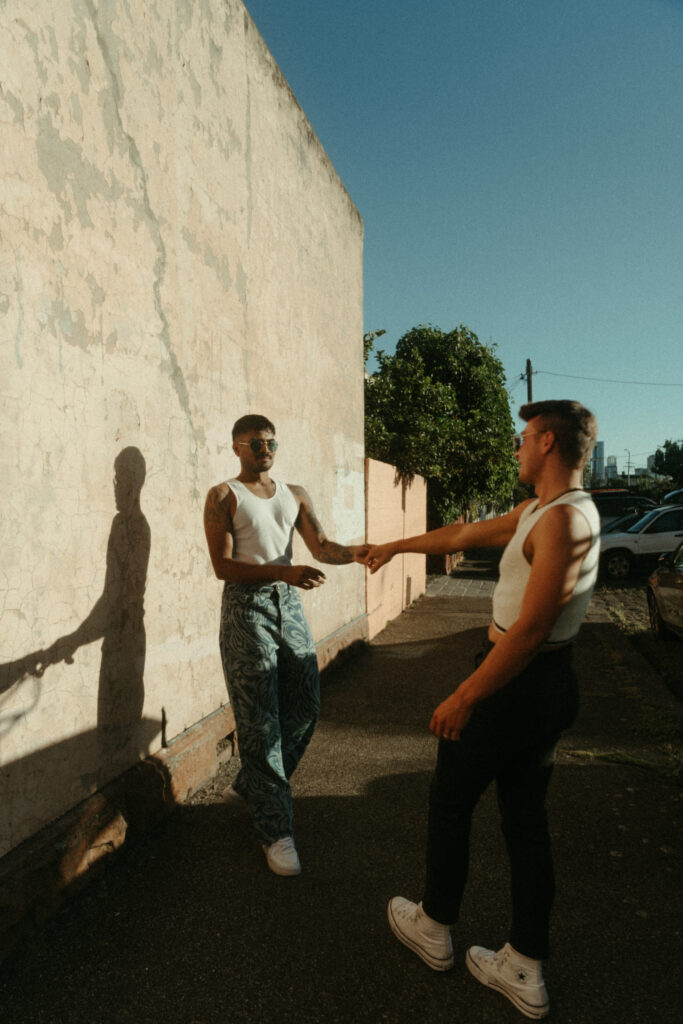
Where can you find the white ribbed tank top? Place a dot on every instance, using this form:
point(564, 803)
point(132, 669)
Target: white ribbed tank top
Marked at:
point(263, 527)
point(515, 570)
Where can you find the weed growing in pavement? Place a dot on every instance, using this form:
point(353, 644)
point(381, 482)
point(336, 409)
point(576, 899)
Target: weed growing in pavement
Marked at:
point(610, 756)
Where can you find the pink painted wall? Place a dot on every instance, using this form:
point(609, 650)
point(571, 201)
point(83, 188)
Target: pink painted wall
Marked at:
point(393, 510)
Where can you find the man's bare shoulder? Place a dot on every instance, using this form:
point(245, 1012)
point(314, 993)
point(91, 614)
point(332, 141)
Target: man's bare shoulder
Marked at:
point(306, 517)
point(562, 524)
point(220, 504)
point(300, 494)
point(219, 491)
point(571, 518)
point(518, 509)
point(514, 514)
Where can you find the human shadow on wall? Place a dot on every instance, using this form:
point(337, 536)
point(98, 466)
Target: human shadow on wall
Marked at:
point(117, 618)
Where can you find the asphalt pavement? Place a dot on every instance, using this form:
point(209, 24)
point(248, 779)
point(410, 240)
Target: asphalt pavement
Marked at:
point(190, 927)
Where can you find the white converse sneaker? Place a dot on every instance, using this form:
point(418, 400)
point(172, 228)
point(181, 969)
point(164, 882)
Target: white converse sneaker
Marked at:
point(282, 857)
point(516, 976)
point(419, 932)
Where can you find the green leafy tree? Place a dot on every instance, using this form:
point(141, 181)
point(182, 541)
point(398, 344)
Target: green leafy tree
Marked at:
point(369, 341)
point(439, 408)
point(669, 461)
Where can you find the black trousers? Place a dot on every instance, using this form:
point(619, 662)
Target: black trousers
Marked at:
point(510, 739)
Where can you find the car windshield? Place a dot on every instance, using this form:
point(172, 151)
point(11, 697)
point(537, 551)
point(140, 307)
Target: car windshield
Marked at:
point(645, 521)
point(622, 523)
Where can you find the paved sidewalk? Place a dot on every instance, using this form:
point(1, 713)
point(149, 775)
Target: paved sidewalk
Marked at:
point(457, 585)
point(190, 927)
point(475, 576)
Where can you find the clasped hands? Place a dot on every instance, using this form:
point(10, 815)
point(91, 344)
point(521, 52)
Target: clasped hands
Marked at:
point(374, 556)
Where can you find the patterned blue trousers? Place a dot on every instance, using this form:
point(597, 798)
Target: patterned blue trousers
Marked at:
point(271, 672)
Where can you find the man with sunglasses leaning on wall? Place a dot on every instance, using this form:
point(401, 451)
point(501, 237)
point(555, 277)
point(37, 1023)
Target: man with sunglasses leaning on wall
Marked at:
point(503, 722)
point(266, 646)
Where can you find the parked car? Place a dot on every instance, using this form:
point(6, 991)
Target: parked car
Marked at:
point(673, 497)
point(612, 504)
point(659, 532)
point(621, 523)
point(665, 595)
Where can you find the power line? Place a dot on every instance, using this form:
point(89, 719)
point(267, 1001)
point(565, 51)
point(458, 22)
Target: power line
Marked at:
point(608, 380)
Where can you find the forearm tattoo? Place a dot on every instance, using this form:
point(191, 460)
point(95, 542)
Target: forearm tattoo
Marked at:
point(334, 554)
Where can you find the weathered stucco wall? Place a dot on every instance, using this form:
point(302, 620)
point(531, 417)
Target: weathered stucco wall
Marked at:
point(176, 251)
point(394, 510)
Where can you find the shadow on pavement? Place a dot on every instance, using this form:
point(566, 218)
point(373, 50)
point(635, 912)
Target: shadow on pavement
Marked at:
point(190, 927)
point(394, 687)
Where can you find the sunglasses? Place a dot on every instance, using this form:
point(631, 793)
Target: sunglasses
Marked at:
point(257, 443)
point(519, 439)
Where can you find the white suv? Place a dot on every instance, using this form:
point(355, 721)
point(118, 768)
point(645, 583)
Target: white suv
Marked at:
point(658, 532)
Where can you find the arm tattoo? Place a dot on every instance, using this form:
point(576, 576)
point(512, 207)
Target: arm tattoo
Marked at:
point(216, 510)
point(334, 554)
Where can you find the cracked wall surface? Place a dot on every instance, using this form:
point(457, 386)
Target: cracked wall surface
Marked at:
point(177, 250)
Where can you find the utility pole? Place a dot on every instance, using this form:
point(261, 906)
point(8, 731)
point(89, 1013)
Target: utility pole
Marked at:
point(529, 397)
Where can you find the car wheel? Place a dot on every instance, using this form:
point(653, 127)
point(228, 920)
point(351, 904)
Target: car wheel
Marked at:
point(618, 564)
point(656, 621)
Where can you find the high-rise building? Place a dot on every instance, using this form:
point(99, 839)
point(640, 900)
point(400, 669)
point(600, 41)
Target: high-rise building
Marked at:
point(598, 460)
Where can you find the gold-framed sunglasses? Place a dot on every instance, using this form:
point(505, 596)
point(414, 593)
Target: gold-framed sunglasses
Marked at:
point(257, 443)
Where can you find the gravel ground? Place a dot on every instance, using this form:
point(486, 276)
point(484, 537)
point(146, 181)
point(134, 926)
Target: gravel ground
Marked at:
point(626, 605)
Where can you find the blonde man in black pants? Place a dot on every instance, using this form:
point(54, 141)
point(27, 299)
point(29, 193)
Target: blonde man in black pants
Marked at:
point(503, 722)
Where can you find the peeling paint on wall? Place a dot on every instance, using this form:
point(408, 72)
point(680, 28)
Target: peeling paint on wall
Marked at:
point(168, 265)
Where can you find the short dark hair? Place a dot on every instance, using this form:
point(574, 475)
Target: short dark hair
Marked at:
point(251, 422)
point(574, 426)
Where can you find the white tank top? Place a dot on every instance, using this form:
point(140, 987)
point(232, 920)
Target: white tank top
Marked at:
point(263, 527)
point(515, 570)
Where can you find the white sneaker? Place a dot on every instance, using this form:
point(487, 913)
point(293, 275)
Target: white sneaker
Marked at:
point(282, 857)
point(516, 976)
point(419, 932)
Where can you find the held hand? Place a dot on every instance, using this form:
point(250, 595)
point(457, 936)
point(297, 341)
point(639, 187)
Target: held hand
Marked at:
point(450, 718)
point(304, 576)
point(378, 555)
point(359, 552)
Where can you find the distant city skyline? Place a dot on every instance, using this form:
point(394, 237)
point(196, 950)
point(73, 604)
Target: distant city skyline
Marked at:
point(609, 465)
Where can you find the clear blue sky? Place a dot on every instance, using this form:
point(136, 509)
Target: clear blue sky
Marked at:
point(518, 165)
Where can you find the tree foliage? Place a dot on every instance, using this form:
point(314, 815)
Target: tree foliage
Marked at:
point(369, 341)
point(439, 408)
point(669, 461)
